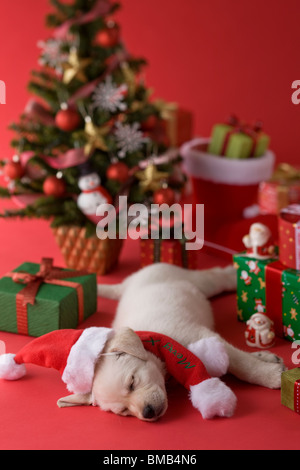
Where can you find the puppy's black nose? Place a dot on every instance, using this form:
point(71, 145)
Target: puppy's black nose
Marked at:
point(148, 412)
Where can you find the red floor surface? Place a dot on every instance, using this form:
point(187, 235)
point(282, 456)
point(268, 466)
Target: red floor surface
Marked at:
point(30, 419)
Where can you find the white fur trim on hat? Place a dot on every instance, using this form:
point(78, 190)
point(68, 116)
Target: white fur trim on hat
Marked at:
point(213, 354)
point(218, 169)
point(78, 374)
point(9, 369)
point(213, 398)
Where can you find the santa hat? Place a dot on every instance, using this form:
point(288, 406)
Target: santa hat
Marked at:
point(74, 354)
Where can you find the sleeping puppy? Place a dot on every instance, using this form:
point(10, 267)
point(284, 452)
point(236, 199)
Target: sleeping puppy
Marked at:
point(172, 301)
point(129, 375)
point(128, 381)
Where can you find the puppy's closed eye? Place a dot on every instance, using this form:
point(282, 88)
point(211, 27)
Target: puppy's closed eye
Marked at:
point(118, 355)
point(131, 385)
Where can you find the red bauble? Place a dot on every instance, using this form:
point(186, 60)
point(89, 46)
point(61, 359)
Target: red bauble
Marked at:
point(149, 124)
point(13, 170)
point(54, 186)
point(164, 196)
point(108, 37)
point(118, 171)
point(68, 120)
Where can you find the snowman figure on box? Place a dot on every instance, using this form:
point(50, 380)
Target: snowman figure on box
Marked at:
point(92, 193)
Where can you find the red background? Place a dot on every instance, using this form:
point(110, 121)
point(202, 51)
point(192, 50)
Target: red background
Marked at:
point(213, 57)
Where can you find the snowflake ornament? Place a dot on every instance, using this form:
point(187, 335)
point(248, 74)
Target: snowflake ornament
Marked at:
point(51, 53)
point(109, 96)
point(129, 138)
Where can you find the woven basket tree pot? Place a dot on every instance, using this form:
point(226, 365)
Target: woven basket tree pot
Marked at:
point(92, 254)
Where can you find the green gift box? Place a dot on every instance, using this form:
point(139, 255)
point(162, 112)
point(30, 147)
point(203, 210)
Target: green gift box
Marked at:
point(36, 299)
point(238, 141)
point(267, 286)
point(290, 389)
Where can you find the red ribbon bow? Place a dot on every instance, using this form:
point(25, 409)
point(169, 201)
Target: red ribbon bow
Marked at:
point(244, 128)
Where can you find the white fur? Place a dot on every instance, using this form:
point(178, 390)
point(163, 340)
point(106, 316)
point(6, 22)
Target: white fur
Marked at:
point(213, 398)
point(9, 369)
point(213, 355)
point(79, 371)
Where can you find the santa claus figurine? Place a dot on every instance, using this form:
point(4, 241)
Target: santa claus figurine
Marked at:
point(259, 242)
point(246, 278)
point(260, 331)
point(92, 193)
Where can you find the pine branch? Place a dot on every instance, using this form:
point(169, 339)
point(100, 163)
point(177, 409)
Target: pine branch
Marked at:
point(4, 193)
point(47, 93)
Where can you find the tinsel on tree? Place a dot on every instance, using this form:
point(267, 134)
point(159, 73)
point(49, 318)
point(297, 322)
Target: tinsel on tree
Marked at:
point(89, 107)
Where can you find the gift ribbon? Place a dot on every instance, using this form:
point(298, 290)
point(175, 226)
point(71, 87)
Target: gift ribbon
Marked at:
point(289, 242)
point(285, 171)
point(297, 396)
point(273, 277)
point(239, 127)
point(48, 274)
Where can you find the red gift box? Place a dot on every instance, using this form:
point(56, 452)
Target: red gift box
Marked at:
point(174, 129)
point(167, 251)
point(282, 190)
point(289, 236)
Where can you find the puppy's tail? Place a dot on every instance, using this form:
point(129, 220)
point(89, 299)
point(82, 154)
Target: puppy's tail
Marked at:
point(113, 292)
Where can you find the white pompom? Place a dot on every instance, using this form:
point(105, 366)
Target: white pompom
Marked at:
point(213, 398)
point(213, 354)
point(9, 369)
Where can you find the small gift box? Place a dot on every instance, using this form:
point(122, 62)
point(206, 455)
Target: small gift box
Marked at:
point(266, 286)
point(238, 140)
point(290, 389)
point(179, 127)
point(289, 236)
point(167, 251)
point(280, 191)
point(177, 124)
point(172, 251)
point(37, 299)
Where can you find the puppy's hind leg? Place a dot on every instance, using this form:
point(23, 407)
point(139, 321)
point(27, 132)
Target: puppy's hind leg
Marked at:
point(108, 291)
point(215, 281)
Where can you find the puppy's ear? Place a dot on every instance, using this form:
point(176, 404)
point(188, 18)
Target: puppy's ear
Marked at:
point(127, 341)
point(77, 399)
